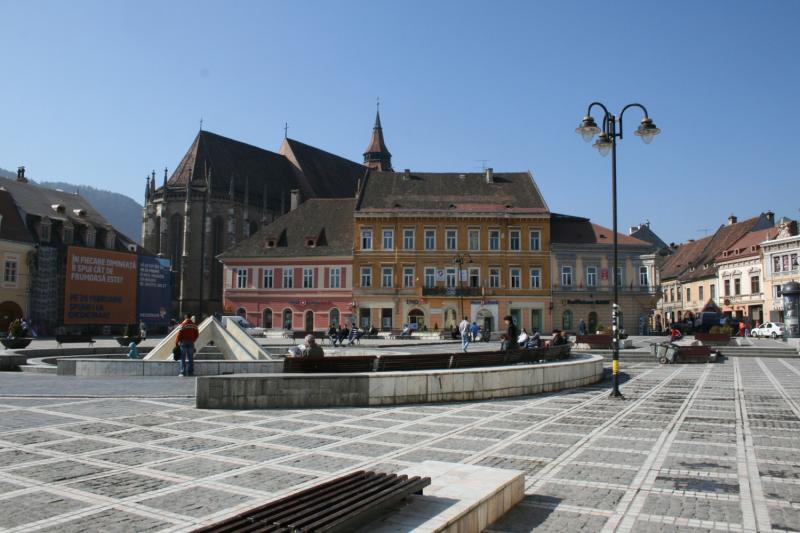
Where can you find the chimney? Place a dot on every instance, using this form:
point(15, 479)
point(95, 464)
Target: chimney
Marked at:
point(770, 217)
point(732, 220)
point(295, 200)
point(489, 175)
point(406, 174)
point(21, 175)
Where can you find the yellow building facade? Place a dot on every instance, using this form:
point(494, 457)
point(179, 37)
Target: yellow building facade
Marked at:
point(430, 249)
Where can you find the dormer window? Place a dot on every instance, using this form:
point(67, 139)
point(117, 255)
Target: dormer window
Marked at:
point(91, 235)
point(79, 212)
point(311, 242)
point(58, 208)
point(111, 237)
point(67, 234)
point(44, 230)
point(270, 243)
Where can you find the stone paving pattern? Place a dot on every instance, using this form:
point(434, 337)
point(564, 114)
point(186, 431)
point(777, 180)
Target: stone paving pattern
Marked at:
point(691, 448)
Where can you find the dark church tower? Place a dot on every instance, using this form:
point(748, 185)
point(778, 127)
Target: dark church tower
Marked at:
point(377, 156)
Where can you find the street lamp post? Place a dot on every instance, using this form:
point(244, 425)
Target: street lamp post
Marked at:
point(607, 142)
point(459, 260)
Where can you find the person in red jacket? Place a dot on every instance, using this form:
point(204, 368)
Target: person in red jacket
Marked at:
point(187, 335)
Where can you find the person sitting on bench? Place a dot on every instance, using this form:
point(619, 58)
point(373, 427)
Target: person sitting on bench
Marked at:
point(312, 350)
point(406, 331)
point(534, 341)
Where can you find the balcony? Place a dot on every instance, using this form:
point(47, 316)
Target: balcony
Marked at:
point(452, 291)
point(744, 298)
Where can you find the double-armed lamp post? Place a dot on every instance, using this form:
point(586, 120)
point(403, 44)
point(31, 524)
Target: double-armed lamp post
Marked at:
point(607, 142)
point(459, 260)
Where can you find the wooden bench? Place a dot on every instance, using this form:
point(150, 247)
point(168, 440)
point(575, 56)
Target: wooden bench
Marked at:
point(342, 504)
point(74, 338)
point(316, 334)
point(693, 354)
point(600, 342)
point(473, 360)
point(333, 364)
point(551, 353)
point(432, 361)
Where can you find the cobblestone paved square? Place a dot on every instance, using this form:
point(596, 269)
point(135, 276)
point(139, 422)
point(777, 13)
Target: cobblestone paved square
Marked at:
point(691, 448)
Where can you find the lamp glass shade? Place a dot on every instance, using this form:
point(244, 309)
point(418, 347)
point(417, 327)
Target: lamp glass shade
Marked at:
point(588, 129)
point(647, 130)
point(603, 144)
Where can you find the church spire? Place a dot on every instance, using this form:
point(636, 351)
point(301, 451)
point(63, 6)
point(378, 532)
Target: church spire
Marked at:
point(377, 156)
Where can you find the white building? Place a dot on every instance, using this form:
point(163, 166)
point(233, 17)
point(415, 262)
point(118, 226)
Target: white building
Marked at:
point(780, 266)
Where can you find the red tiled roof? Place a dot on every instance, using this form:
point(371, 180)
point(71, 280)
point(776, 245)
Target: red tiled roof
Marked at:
point(748, 245)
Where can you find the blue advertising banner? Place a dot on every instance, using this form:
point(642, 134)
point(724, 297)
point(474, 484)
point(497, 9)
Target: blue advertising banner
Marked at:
point(153, 290)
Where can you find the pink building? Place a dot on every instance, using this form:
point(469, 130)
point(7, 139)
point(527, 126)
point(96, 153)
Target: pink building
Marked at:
point(295, 273)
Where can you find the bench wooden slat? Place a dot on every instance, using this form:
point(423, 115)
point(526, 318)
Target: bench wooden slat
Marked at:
point(338, 505)
point(354, 363)
point(388, 363)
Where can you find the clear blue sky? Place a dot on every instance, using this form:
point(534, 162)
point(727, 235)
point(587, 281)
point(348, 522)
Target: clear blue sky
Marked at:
point(101, 92)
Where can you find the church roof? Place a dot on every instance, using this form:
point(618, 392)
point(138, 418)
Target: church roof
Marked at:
point(376, 143)
point(327, 222)
point(327, 174)
point(225, 159)
point(566, 229)
point(313, 171)
point(451, 192)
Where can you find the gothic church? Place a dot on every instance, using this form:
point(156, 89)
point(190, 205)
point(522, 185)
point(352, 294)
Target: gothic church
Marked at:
point(224, 190)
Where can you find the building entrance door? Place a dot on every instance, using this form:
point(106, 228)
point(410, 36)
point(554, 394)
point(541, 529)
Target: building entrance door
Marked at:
point(415, 316)
point(386, 319)
point(485, 320)
point(309, 321)
point(536, 320)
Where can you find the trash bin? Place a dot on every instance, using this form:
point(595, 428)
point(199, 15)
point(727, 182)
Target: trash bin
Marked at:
point(664, 352)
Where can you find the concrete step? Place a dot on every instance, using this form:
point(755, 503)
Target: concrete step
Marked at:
point(38, 369)
point(459, 498)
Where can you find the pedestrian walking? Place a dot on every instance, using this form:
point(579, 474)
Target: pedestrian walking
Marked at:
point(463, 329)
point(143, 330)
point(187, 336)
point(473, 331)
point(582, 327)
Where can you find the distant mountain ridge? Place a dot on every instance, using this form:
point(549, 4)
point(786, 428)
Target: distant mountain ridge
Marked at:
point(124, 213)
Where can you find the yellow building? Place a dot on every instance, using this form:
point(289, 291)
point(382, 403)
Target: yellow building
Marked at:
point(430, 248)
point(16, 246)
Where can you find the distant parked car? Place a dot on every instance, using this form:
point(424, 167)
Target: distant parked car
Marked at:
point(768, 329)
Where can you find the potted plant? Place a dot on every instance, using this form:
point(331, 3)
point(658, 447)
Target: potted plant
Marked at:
point(127, 338)
point(15, 340)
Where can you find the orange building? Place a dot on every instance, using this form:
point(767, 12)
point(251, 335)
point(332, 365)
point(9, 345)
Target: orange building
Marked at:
point(430, 248)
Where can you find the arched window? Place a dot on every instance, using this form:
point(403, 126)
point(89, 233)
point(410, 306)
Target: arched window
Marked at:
point(450, 318)
point(592, 323)
point(334, 317)
point(266, 318)
point(309, 321)
point(566, 320)
point(287, 319)
point(416, 316)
